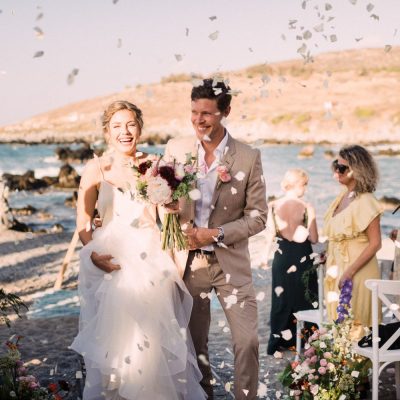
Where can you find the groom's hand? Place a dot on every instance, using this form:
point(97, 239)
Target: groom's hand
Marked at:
point(200, 237)
point(103, 262)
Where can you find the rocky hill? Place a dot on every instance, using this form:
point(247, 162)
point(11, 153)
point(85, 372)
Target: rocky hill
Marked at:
point(349, 96)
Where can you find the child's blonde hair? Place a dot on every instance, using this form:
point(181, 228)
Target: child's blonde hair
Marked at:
point(293, 176)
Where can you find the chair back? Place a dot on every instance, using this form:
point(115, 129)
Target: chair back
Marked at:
point(380, 290)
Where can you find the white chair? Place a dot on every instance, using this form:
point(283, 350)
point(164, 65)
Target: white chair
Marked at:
point(381, 357)
point(316, 316)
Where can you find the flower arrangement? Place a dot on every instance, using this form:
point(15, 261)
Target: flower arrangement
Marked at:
point(328, 369)
point(17, 384)
point(160, 183)
point(223, 174)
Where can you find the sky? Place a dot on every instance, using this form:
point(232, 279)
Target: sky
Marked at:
point(56, 52)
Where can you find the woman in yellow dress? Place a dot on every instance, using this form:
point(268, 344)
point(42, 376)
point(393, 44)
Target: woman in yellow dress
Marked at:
point(352, 225)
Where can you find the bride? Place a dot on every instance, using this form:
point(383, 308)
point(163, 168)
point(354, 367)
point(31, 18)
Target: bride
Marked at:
point(135, 308)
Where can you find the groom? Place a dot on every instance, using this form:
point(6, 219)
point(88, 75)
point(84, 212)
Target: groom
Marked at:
point(231, 207)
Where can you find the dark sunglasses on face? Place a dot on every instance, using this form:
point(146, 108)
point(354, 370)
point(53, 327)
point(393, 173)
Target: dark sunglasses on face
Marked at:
point(341, 168)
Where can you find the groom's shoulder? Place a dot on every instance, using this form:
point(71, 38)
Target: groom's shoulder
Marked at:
point(244, 148)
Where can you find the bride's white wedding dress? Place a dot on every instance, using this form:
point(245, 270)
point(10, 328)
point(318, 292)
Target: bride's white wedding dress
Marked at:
point(132, 331)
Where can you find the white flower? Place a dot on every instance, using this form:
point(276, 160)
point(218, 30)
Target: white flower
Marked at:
point(179, 171)
point(158, 191)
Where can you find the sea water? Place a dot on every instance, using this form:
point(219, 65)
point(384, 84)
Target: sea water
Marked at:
point(276, 159)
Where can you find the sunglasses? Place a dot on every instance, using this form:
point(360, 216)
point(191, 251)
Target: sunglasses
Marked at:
point(341, 168)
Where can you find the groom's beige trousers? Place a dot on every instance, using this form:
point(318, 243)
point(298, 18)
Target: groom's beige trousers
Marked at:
point(240, 307)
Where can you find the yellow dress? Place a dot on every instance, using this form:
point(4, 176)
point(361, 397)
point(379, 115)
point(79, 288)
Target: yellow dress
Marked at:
point(346, 232)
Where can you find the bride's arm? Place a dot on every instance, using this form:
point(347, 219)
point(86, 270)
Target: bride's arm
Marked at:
point(87, 198)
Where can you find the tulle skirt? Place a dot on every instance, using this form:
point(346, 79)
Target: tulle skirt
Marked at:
point(133, 324)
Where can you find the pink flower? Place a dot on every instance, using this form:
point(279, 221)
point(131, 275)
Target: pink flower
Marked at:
point(323, 362)
point(309, 352)
point(189, 169)
point(327, 354)
point(223, 174)
point(322, 370)
point(314, 389)
point(313, 359)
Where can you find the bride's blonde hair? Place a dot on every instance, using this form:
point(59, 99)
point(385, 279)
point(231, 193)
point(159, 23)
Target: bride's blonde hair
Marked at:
point(118, 106)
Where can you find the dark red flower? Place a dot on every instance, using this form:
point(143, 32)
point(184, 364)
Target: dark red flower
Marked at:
point(64, 385)
point(53, 387)
point(168, 174)
point(144, 166)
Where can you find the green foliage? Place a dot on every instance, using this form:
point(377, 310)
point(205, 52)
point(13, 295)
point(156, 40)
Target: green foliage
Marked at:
point(364, 112)
point(9, 301)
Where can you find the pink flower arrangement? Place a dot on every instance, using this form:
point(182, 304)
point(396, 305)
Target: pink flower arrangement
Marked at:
point(223, 174)
point(160, 183)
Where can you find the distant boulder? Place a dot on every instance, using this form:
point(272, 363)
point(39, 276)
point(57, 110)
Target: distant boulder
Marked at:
point(68, 177)
point(306, 152)
point(26, 181)
point(71, 201)
point(81, 154)
point(329, 154)
point(388, 152)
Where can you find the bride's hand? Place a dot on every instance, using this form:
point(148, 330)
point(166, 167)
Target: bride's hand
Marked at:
point(103, 262)
point(172, 208)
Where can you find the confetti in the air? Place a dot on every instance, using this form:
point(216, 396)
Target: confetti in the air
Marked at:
point(260, 296)
point(333, 38)
point(332, 297)
point(240, 175)
point(293, 268)
point(230, 300)
point(212, 18)
point(245, 391)
point(178, 57)
point(214, 35)
point(38, 54)
point(254, 213)
point(375, 17)
point(278, 354)
point(119, 43)
point(333, 271)
point(187, 32)
point(387, 48)
point(354, 2)
point(203, 359)
point(38, 32)
point(278, 290)
point(39, 16)
point(287, 334)
point(233, 190)
point(72, 75)
point(370, 7)
point(107, 277)
point(315, 304)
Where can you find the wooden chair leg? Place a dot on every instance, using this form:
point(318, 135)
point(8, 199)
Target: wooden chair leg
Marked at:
point(397, 379)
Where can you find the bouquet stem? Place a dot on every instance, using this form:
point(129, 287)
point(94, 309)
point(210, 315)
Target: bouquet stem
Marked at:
point(172, 235)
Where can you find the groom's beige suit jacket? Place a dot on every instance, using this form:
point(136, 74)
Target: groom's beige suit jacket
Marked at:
point(239, 206)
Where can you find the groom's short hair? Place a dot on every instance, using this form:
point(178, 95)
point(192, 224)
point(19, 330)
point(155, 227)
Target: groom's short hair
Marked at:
point(213, 89)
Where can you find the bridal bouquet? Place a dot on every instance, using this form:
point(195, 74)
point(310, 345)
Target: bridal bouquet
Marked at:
point(160, 182)
point(329, 368)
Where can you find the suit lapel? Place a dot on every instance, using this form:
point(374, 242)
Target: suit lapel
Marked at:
point(228, 161)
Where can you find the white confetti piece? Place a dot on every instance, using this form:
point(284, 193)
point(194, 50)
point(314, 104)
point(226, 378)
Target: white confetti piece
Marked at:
point(387, 48)
point(370, 7)
point(78, 375)
point(38, 32)
point(227, 278)
point(214, 35)
point(213, 381)
point(319, 28)
point(221, 323)
point(242, 304)
point(228, 387)
point(246, 392)
point(303, 259)
point(127, 359)
point(278, 354)
point(206, 138)
point(333, 271)
point(278, 394)
point(333, 38)
point(143, 255)
point(260, 296)
point(328, 7)
point(355, 373)
point(212, 18)
point(342, 397)
point(119, 43)
point(307, 35)
point(239, 176)
point(354, 2)
point(278, 290)
point(226, 329)
point(230, 300)
point(315, 304)
point(178, 57)
point(195, 194)
point(38, 54)
point(302, 49)
point(205, 295)
point(71, 76)
point(332, 297)
point(107, 277)
point(293, 268)
point(287, 334)
point(254, 213)
point(394, 307)
point(233, 190)
point(262, 390)
point(375, 17)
